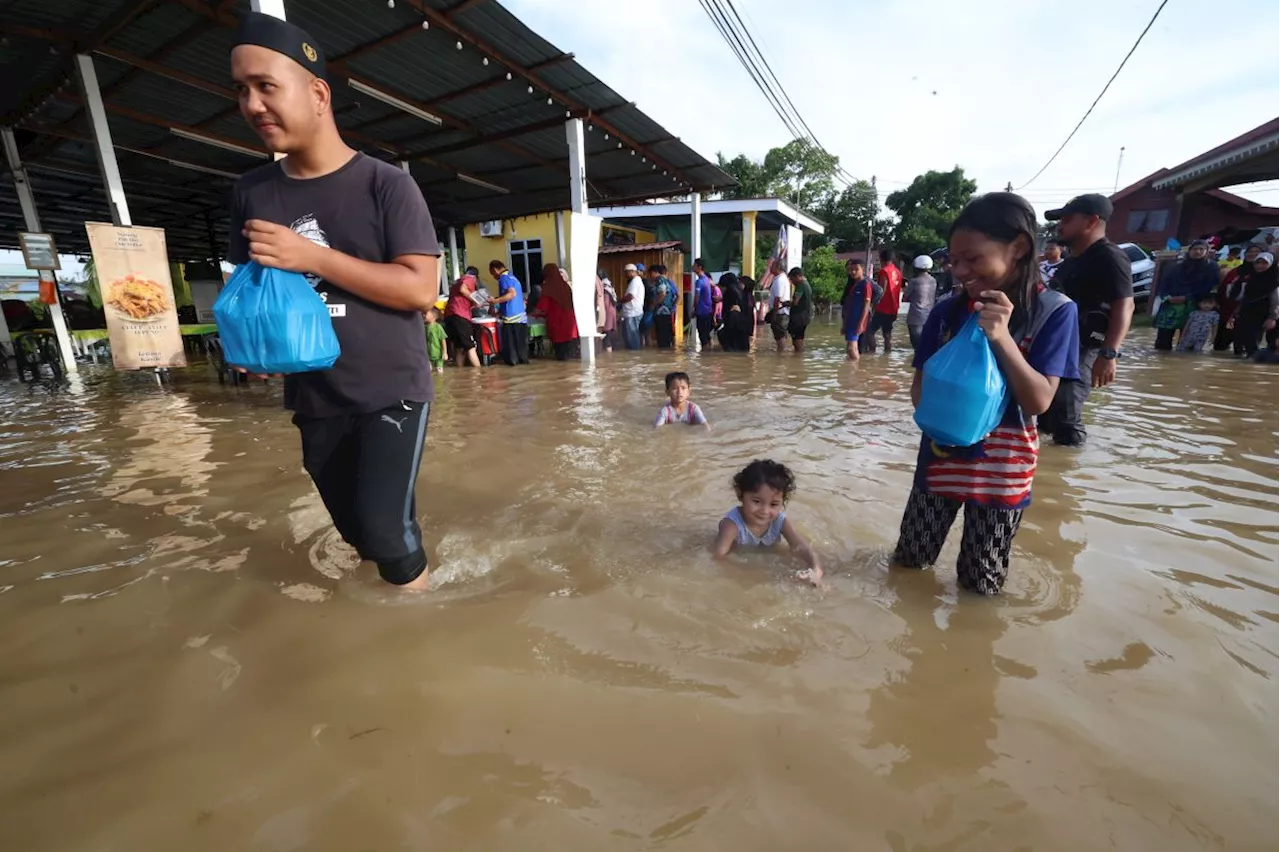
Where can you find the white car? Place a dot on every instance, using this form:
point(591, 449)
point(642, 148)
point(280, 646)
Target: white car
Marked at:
point(1144, 269)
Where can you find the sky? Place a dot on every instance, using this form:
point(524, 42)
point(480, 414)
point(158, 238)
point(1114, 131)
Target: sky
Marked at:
point(898, 87)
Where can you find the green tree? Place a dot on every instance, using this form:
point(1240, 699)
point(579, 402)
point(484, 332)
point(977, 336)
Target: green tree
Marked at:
point(92, 288)
point(848, 214)
point(826, 274)
point(927, 208)
point(750, 175)
point(799, 171)
point(802, 173)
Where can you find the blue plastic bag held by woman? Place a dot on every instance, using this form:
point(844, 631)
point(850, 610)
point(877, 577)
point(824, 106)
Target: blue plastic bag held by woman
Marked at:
point(272, 321)
point(963, 394)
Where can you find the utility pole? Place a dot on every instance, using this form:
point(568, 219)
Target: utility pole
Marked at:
point(1008, 187)
point(1119, 162)
point(871, 222)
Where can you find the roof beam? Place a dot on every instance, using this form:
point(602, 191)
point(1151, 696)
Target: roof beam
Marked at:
point(547, 124)
point(220, 14)
point(168, 73)
point(183, 39)
point(567, 101)
point(166, 124)
point(483, 85)
point(460, 7)
point(535, 127)
point(72, 43)
point(338, 65)
point(370, 46)
point(212, 88)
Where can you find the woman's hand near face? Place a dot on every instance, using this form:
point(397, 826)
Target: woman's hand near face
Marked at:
point(994, 312)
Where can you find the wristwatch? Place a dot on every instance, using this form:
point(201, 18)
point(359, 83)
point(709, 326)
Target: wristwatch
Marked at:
point(1109, 354)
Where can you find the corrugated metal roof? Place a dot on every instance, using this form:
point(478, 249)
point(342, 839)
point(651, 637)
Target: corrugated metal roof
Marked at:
point(640, 247)
point(164, 63)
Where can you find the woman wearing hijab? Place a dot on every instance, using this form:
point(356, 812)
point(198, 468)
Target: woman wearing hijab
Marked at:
point(606, 310)
point(750, 310)
point(1257, 305)
point(1229, 292)
point(739, 321)
point(556, 305)
point(1181, 288)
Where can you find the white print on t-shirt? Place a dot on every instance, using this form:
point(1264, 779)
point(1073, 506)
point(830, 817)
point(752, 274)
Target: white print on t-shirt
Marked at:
point(308, 227)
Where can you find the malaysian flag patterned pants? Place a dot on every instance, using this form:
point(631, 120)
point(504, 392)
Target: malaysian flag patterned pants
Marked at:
point(984, 548)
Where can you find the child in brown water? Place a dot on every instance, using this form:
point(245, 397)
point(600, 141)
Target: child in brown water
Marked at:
point(763, 488)
point(435, 338)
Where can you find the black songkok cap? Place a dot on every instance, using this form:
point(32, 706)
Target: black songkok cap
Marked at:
point(282, 37)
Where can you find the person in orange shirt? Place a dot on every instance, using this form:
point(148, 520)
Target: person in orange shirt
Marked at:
point(886, 310)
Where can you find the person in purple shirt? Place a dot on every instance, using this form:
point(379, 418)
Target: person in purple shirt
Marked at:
point(704, 304)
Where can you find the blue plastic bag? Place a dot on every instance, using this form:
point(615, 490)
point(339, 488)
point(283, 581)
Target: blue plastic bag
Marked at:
point(963, 394)
point(272, 321)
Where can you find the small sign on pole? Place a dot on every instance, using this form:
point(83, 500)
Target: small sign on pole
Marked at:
point(39, 252)
point(137, 296)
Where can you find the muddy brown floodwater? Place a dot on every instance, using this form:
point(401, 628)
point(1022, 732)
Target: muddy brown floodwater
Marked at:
point(189, 662)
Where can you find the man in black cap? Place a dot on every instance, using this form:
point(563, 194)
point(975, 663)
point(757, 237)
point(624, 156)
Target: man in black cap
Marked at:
point(360, 231)
point(1099, 278)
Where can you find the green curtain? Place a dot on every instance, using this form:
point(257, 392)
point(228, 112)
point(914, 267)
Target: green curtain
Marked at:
point(721, 238)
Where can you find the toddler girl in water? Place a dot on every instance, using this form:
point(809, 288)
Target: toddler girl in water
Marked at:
point(1034, 334)
point(763, 489)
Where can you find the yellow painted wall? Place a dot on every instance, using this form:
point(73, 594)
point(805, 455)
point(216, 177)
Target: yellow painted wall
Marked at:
point(480, 250)
point(641, 237)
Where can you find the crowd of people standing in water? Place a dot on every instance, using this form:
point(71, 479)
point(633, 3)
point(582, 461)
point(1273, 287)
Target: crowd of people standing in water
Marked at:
point(363, 423)
point(1229, 303)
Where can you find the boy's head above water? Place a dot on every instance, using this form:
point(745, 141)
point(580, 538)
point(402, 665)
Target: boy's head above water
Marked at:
point(764, 487)
point(678, 387)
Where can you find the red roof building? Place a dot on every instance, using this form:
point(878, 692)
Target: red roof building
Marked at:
point(1187, 201)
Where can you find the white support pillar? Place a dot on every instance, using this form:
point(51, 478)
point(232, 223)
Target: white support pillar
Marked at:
point(695, 246)
point(5, 337)
point(562, 259)
point(577, 165)
point(27, 202)
point(116, 201)
point(453, 253)
point(444, 273)
point(274, 8)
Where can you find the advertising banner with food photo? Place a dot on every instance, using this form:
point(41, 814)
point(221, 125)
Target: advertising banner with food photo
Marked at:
point(137, 296)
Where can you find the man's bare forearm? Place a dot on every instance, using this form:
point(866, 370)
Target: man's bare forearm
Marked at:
point(409, 283)
point(1118, 326)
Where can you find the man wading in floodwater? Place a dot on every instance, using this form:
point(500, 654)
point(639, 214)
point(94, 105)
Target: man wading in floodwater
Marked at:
point(360, 231)
point(1099, 279)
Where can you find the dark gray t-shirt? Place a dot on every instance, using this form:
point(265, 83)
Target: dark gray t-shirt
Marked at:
point(367, 209)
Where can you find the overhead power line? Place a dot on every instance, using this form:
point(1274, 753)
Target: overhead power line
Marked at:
point(769, 69)
point(721, 22)
point(738, 36)
point(1141, 36)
